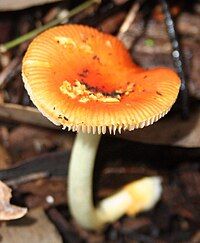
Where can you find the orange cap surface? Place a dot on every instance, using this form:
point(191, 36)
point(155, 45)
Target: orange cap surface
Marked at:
point(85, 80)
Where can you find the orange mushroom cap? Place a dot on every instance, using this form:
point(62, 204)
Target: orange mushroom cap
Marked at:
point(85, 80)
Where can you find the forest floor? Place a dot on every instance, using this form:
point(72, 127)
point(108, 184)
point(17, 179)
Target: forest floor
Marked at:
point(31, 145)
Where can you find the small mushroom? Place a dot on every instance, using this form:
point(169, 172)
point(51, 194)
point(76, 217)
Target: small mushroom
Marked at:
point(7, 210)
point(86, 81)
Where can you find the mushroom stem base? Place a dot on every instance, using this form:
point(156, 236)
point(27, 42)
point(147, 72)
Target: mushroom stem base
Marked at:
point(140, 195)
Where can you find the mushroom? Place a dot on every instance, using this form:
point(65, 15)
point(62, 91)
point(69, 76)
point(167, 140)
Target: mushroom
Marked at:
point(86, 81)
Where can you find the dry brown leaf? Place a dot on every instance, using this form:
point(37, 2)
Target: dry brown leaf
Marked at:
point(34, 228)
point(10, 5)
point(23, 114)
point(170, 131)
point(7, 210)
point(5, 159)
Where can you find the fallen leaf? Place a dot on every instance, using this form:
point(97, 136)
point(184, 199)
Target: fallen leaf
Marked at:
point(10, 5)
point(24, 114)
point(35, 227)
point(7, 210)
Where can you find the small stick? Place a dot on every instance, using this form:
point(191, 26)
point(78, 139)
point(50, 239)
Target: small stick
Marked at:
point(9, 71)
point(128, 21)
point(62, 225)
point(177, 57)
point(130, 17)
point(5, 47)
point(27, 178)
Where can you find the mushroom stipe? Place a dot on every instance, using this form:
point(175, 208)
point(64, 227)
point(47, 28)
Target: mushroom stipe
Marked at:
point(87, 82)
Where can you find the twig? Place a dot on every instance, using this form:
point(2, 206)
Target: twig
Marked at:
point(9, 71)
point(129, 21)
point(6, 46)
point(53, 163)
point(130, 17)
point(62, 225)
point(27, 178)
point(177, 57)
